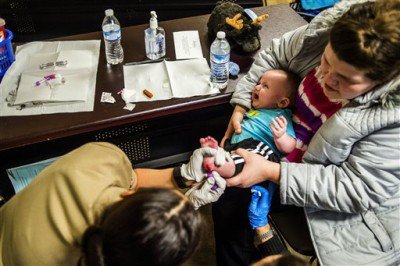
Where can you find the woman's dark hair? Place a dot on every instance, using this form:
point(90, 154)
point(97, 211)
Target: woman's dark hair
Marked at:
point(154, 226)
point(368, 37)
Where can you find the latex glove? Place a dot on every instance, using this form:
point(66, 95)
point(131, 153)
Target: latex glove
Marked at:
point(221, 157)
point(203, 193)
point(194, 170)
point(260, 204)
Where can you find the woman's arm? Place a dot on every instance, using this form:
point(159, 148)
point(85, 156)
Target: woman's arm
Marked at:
point(155, 178)
point(180, 177)
point(256, 170)
point(188, 175)
point(200, 193)
point(369, 177)
point(277, 55)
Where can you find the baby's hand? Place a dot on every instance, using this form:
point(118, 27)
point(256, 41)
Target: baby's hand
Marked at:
point(278, 126)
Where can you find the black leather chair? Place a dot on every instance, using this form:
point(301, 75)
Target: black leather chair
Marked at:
point(291, 225)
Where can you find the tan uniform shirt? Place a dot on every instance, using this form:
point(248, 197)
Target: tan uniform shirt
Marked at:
point(44, 223)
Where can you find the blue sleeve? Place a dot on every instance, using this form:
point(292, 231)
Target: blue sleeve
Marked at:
point(289, 129)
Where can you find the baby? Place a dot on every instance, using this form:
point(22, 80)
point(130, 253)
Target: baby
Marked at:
point(266, 128)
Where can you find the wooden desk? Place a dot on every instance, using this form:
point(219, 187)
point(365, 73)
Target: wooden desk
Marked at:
point(153, 130)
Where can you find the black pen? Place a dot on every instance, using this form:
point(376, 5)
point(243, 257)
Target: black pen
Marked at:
point(146, 62)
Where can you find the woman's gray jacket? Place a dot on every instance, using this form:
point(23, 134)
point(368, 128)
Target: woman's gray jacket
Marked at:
point(349, 182)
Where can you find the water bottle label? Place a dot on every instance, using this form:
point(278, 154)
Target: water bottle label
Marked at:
point(219, 67)
point(220, 58)
point(111, 34)
point(219, 71)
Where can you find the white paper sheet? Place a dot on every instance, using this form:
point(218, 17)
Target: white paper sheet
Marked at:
point(75, 88)
point(189, 78)
point(27, 61)
point(169, 79)
point(77, 59)
point(187, 44)
point(152, 77)
point(35, 60)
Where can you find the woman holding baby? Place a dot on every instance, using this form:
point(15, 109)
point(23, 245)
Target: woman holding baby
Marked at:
point(348, 175)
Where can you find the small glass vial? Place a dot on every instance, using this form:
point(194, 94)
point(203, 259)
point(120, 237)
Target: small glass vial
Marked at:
point(154, 38)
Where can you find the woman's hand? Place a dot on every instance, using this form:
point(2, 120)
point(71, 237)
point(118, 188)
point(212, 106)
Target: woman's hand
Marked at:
point(256, 169)
point(234, 123)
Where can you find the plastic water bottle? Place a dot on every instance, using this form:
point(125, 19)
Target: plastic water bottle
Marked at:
point(112, 38)
point(219, 59)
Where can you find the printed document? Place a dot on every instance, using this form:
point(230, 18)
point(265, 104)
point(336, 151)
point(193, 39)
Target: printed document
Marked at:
point(187, 45)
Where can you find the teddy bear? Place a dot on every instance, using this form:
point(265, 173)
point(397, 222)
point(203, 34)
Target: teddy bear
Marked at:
point(240, 25)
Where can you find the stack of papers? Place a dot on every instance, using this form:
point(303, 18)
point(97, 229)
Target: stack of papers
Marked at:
point(75, 94)
point(75, 88)
point(76, 75)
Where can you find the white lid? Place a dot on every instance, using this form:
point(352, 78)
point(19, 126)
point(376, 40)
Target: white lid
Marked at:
point(2, 22)
point(153, 20)
point(109, 12)
point(221, 35)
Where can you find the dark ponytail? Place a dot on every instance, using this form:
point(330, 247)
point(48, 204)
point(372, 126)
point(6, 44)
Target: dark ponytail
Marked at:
point(92, 247)
point(154, 226)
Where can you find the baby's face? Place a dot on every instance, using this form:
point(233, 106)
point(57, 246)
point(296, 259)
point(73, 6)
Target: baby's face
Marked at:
point(269, 91)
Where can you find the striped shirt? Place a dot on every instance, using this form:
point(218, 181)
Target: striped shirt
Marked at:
point(313, 108)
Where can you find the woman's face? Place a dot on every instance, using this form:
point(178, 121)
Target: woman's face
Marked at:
point(340, 80)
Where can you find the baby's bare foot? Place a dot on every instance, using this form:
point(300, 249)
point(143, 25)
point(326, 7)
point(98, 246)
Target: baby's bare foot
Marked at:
point(209, 142)
point(226, 170)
